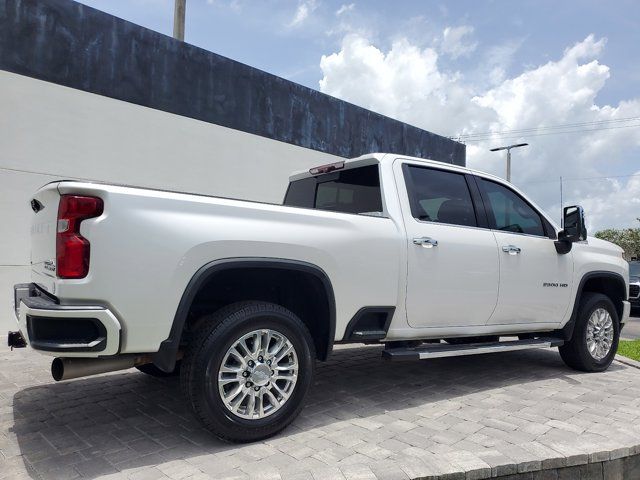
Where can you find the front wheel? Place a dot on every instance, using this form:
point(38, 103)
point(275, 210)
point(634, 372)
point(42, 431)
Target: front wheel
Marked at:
point(247, 370)
point(595, 335)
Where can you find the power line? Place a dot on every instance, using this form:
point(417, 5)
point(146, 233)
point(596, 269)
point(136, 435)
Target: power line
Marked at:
point(550, 127)
point(571, 179)
point(549, 133)
point(495, 136)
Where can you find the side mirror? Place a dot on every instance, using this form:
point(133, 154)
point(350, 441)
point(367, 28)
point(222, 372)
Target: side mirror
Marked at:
point(574, 230)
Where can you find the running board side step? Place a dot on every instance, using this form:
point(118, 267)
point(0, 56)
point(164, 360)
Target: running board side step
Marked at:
point(440, 350)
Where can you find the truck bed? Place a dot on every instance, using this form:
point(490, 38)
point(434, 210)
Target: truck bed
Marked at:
point(148, 244)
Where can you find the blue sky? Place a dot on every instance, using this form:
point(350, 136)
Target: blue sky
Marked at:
point(256, 32)
point(458, 68)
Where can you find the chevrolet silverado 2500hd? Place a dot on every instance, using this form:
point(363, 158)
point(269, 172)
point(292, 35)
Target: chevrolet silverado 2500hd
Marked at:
point(241, 298)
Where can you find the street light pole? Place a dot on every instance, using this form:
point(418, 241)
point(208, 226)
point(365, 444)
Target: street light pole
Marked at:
point(178, 19)
point(508, 149)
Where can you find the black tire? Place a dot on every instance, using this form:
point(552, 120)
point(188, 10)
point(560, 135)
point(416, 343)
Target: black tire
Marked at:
point(152, 370)
point(575, 352)
point(205, 353)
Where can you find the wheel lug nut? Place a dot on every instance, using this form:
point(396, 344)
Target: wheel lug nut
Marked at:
point(251, 364)
point(245, 374)
point(269, 362)
point(260, 359)
point(248, 384)
point(256, 388)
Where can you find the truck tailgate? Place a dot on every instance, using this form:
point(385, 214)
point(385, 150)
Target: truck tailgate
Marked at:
point(43, 236)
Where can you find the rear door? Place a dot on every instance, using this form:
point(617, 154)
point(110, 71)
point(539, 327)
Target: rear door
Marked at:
point(535, 281)
point(43, 236)
point(452, 257)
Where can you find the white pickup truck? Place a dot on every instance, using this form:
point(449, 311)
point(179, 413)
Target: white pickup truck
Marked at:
point(241, 298)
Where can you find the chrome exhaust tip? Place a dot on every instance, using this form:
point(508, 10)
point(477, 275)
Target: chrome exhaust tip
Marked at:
point(68, 368)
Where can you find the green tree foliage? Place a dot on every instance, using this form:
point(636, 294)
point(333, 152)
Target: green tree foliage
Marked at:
point(627, 238)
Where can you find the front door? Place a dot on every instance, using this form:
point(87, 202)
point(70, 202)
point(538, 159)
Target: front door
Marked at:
point(535, 281)
point(452, 263)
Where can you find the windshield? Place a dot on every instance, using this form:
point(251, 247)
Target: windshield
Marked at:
point(634, 269)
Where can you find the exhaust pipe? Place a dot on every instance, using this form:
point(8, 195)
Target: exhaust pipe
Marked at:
point(68, 368)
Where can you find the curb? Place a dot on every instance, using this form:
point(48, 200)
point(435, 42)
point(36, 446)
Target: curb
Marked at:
point(623, 463)
point(627, 361)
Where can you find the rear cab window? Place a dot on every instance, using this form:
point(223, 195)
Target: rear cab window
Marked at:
point(356, 190)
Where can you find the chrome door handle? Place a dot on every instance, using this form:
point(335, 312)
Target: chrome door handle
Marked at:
point(426, 242)
point(511, 249)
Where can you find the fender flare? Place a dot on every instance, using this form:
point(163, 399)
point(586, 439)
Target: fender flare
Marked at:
point(567, 330)
point(165, 357)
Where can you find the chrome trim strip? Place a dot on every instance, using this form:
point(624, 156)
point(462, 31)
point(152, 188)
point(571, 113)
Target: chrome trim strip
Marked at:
point(481, 350)
point(430, 222)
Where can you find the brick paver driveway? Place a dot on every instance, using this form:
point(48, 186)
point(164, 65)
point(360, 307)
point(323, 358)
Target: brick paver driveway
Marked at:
point(365, 418)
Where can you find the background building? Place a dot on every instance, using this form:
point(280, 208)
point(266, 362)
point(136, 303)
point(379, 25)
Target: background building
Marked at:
point(86, 95)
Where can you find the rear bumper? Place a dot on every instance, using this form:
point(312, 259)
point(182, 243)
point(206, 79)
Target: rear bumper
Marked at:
point(64, 330)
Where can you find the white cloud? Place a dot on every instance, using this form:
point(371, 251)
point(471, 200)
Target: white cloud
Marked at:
point(404, 83)
point(408, 83)
point(234, 5)
point(455, 41)
point(345, 8)
point(303, 11)
point(495, 60)
point(616, 203)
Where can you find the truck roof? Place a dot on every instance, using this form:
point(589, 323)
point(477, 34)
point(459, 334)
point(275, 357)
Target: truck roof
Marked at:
point(381, 158)
point(372, 158)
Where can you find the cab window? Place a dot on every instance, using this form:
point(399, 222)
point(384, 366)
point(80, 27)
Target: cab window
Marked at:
point(355, 190)
point(508, 211)
point(439, 196)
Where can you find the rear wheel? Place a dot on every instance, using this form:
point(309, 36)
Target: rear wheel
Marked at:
point(595, 336)
point(247, 370)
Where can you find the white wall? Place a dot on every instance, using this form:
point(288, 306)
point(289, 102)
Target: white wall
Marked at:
point(50, 132)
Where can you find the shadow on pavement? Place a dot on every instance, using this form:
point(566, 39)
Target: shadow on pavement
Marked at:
point(101, 425)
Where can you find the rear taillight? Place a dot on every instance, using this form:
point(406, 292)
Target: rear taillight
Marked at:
point(72, 249)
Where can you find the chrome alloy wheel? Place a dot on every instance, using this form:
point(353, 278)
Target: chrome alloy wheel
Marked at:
point(600, 333)
point(258, 374)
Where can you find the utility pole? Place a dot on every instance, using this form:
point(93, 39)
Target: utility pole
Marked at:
point(508, 149)
point(178, 19)
point(561, 205)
